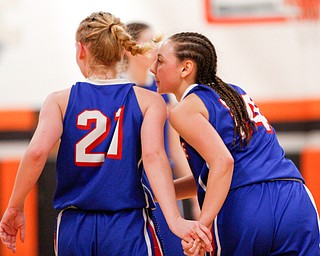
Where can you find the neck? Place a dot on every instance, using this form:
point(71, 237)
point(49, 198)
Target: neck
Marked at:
point(141, 80)
point(180, 94)
point(103, 75)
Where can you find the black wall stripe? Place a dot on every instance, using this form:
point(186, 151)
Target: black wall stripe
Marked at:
point(15, 135)
point(47, 215)
point(304, 126)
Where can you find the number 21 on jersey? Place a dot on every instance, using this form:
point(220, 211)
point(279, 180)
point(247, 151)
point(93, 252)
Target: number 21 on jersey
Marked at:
point(84, 155)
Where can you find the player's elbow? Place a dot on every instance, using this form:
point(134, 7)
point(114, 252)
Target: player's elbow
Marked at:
point(36, 154)
point(151, 157)
point(228, 163)
point(223, 164)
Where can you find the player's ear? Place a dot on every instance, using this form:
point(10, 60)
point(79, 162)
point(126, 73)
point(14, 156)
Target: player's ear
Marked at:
point(81, 50)
point(187, 68)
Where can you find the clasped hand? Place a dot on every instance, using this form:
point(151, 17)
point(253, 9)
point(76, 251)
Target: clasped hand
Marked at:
point(196, 239)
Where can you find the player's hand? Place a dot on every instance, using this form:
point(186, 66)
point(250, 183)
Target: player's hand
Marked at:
point(194, 248)
point(193, 232)
point(12, 221)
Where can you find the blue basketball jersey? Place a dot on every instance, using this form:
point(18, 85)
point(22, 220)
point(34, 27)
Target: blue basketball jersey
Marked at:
point(262, 160)
point(97, 163)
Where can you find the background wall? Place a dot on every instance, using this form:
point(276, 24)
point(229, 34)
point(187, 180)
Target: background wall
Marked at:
point(270, 60)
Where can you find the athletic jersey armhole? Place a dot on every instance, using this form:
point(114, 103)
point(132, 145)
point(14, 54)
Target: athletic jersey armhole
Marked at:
point(70, 102)
point(201, 91)
point(136, 98)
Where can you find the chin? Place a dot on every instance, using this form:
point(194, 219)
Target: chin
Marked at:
point(160, 91)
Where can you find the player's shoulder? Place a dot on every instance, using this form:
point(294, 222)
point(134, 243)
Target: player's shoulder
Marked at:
point(147, 95)
point(142, 90)
point(148, 99)
point(59, 98)
point(238, 88)
point(59, 93)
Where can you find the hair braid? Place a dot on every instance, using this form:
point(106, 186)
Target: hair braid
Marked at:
point(106, 37)
point(190, 45)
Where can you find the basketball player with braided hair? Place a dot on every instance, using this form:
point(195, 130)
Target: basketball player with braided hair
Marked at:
point(105, 126)
point(251, 196)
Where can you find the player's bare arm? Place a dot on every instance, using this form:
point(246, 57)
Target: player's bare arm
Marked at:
point(209, 144)
point(47, 133)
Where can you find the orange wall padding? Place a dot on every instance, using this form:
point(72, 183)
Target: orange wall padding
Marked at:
point(8, 169)
point(18, 120)
point(290, 110)
point(310, 168)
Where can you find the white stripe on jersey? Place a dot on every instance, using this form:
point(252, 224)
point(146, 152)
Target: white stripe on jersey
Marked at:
point(216, 235)
point(204, 187)
point(314, 205)
point(146, 235)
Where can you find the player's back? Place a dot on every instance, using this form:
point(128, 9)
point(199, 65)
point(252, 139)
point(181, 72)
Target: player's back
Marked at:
point(100, 149)
point(263, 159)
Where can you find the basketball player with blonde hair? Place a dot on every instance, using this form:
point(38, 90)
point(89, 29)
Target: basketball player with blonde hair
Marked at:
point(105, 126)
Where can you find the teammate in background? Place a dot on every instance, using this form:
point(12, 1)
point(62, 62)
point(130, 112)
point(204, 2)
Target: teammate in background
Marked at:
point(105, 125)
point(137, 70)
point(254, 198)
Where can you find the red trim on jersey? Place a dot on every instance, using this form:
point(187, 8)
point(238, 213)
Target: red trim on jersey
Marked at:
point(157, 246)
point(213, 243)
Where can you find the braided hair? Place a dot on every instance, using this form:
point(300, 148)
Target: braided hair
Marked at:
point(197, 47)
point(106, 37)
point(136, 28)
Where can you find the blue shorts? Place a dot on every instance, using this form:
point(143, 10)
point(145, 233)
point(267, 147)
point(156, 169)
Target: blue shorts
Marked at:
point(91, 233)
point(268, 218)
point(171, 244)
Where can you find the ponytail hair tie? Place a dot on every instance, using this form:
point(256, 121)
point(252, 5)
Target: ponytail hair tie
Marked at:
point(110, 26)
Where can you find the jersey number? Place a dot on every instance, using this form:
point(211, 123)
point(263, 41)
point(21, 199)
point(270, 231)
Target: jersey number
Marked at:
point(255, 114)
point(84, 155)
